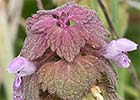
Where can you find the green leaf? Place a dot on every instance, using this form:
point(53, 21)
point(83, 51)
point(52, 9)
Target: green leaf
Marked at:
point(131, 91)
point(121, 81)
point(73, 80)
point(115, 14)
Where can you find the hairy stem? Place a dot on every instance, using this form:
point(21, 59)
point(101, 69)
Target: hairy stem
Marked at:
point(110, 23)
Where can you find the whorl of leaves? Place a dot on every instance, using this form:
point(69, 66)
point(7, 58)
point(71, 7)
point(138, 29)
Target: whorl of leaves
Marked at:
point(63, 43)
point(72, 81)
point(64, 30)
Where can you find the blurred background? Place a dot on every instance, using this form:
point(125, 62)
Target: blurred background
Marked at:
point(125, 15)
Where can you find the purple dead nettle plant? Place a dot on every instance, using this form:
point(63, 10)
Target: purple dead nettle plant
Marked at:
point(65, 54)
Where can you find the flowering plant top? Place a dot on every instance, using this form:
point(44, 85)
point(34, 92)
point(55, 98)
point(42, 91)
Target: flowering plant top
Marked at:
point(64, 30)
point(67, 50)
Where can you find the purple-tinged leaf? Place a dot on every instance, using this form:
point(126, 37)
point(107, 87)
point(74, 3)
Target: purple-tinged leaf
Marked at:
point(72, 80)
point(52, 29)
point(34, 47)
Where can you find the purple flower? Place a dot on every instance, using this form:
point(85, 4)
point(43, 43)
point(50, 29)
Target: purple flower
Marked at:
point(116, 50)
point(21, 66)
point(18, 81)
point(122, 60)
point(18, 89)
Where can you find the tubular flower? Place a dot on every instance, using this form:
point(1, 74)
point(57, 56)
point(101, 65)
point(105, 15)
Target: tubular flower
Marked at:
point(116, 50)
point(18, 89)
point(21, 67)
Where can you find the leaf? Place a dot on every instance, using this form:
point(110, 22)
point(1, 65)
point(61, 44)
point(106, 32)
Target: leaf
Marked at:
point(34, 46)
point(73, 80)
point(119, 16)
point(39, 23)
point(116, 8)
point(123, 22)
point(31, 88)
point(87, 29)
point(51, 29)
point(115, 14)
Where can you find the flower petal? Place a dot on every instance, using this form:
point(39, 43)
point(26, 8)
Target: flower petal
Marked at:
point(18, 98)
point(16, 65)
point(28, 69)
point(21, 66)
point(116, 47)
point(122, 60)
point(125, 45)
point(111, 50)
point(18, 81)
point(18, 89)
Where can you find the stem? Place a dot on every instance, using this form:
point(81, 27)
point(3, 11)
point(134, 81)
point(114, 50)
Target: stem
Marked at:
point(135, 78)
point(115, 36)
point(109, 21)
point(39, 4)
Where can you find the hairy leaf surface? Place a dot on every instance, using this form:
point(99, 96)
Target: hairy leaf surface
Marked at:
point(52, 29)
point(73, 80)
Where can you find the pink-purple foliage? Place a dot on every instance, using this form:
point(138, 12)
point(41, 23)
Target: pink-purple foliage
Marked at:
point(53, 29)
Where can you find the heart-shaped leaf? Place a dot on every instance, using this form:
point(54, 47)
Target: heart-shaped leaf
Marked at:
point(73, 80)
